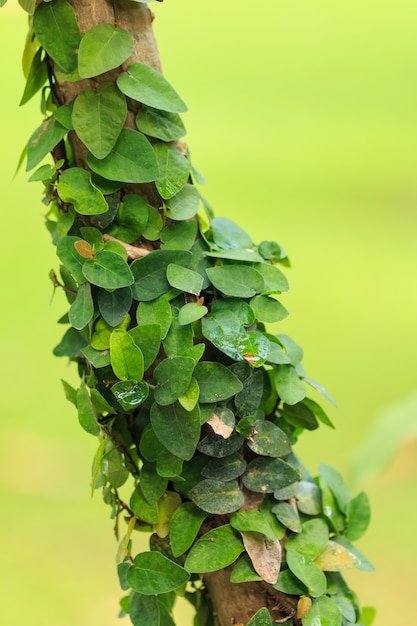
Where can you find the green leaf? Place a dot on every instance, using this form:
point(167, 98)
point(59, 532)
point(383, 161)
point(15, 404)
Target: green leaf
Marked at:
point(294, 351)
point(300, 415)
point(367, 615)
point(113, 469)
point(130, 393)
point(225, 469)
point(268, 440)
point(288, 583)
point(216, 382)
point(216, 496)
point(114, 305)
point(236, 254)
point(103, 48)
point(288, 516)
point(318, 411)
point(189, 398)
point(226, 234)
point(268, 309)
point(215, 550)
point(275, 281)
point(144, 84)
point(160, 124)
point(256, 521)
point(358, 516)
point(336, 484)
point(131, 219)
point(98, 117)
point(69, 256)
point(265, 475)
point(37, 77)
point(179, 235)
point(75, 186)
point(125, 356)
point(261, 618)
point(108, 270)
point(153, 573)
point(336, 558)
point(223, 329)
point(308, 498)
point(308, 572)
point(320, 389)
point(131, 160)
point(330, 508)
point(174, 170)
point(243, 571)
point(148, 338)
point(152, 485)
point(154, 226)
point(241, 310)
point(64, 115)
point(218, 446)
point(288, 385)
point(240, 281)
point(173, 377)
point(142, 509)
point(100, 339)
point(254, 348)
point(191, 312)
point(184, 279)
point(82, 309)
point(184, 205)
point(144, 610)
point(364, 563)
point(71, 344)
point(323, 612)
point(70, 392)
point(150, 272)
point(184, 527)
point(56, 29)
point(86, 412)
point(177, 429)
point(43, 140)
point(157, 311)
point(312, 540)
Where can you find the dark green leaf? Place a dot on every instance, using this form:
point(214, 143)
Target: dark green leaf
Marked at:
point(308, 572)
point(148, 338)
point(216, 496)
point(268, 309)
point(144, 610)
point(184, 205)
point(288, 385)
point(98, 117)
point(71, 344)
point(288, 583)
point(173, 377)
point(132, 159)
point(223, 329)
point(216, 382)
point(97, 358)
point(113, 469)
point(265, 475)
point(184, 527)
point(179, 235)
point(177, 429)
point(82, 309)
point(174, 169)
point(114, 305)
point(86, 412)
point(130, 393)
point(153, 573)
point(248, 400)
point(218, 446)
point(300, 415)
point(37, 77)
point(157, 311)
point(131, 219)
point(215, 550)
point(43, 140)
point(125, 356)
point(152, 485)
point(179, 340)
point(103, 48)
point(56, 28)
point(142, 509)
point(288, 516)
point(108, 270)
point(154, 226)
point(240, 281)
point(318, 411)
point(238, 307)
point(268, 440)
point(184, 279)
point(144, 84)
point(226, 468)
point(113, 201)
point(64, 115)
point(75, 186)
point(160, 124)
point(150, 272)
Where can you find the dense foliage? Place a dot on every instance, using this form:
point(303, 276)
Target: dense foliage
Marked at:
point(195, 404)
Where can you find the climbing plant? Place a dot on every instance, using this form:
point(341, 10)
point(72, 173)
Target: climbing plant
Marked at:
point(195, 404)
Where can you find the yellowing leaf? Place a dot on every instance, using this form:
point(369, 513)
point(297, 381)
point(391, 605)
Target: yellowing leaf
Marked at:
point(336, 558)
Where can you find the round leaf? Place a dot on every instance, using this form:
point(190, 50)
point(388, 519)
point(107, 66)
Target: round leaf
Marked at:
point(216, 382)
point(173, 377)
point(217, 496)
point(75, 186)
point(103, 48)
point(82, 309)
point(240, 281)
point(177, 429)
point(268, 440)
point(215, 550)
point(108, 270)
point(152, 573)
point(266, 475)
point(130, 393)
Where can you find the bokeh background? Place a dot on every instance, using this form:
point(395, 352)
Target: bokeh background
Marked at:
point(303, 119)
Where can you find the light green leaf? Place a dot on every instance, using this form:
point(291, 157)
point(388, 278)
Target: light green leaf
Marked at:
point(160, 124)
point(56, 28)
point(288, 385)
point(86, 411)
point(336, 484)
point(153, 573)
point(240, 281)
point(268, 309)
point(215, 550)
point(191, 312)
point(275, 281)
point(226, 234)
point(308, 572)
point(184, 527)
point(308, 498)
point(75, 186)
point(113, 469)
point(131, 160)
point(323, 612)
point(184, 205)
point(358, 516)
point(265, 475)
point(37, 77)
point(174, 169)
point(179, 340)
point(43, 140)
point(216, 496)
point(103, 48)
point(184, 279)
point(288, 516)
point(189, 398)
point(130, 393)
point(364, 563)
point(312, 540)
point(131, 219)
point(173, 377)
point(148, 338)
point(268, 440)
point(144, 84)
point(177, 429)
point(179, 235)
point(216, 382)
point(157, 311)
point(69, 256)
point(98, 117)
point(125, 356)
point(243, 571)
point(108, 270)
point(336, 558)
point(256, 521)
point(261, 618)
point(82, 309)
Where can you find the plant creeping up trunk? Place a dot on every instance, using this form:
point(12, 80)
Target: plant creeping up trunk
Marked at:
point(195, 405)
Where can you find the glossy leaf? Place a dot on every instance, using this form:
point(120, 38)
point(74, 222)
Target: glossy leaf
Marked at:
point(108, 270)
point(75, 186)
point(240, 281)
point(225, 469)
point(153, 573)
point(184, 205)
point(214, 551)
point(130, 393)
point(254, 348)
point(223, 329)
point(268, 440)
point(264, 553)
point(43, 140)
point(131, 219)
point(184, 279)
point(56, 28)
point(125, 356)
point(103, 48)
point(363, 562)
point(265, 475)
point(174, 169)
point(82, 309)
point(157, 311)
point(131, 160)
point(173, 377)
point(98, 117)
point(312, 540)
point(323, 612)
point(160, 124)
point(288, 385)
point(248, 401)
point(216, 382)
point(150, 272)
point(143, 83)
point(177, 429)
point(113, 469)
point(184, 527)
point(268, 309)
point(148, 339)
point(216, 496)
point(308, 572)
point(189, 398)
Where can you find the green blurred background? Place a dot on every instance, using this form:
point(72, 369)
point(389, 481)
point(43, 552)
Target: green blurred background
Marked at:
point(303, 118)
